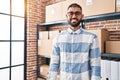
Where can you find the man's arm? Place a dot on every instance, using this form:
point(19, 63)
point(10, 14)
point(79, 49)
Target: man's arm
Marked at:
point(55, 61)
point(95, 59)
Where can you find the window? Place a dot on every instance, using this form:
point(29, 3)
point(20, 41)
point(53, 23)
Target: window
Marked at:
point(17, 28)
point(5, 6)
point(4, 27)
point(12, 40)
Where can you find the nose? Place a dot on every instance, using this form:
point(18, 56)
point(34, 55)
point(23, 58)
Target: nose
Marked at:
point(73, 16)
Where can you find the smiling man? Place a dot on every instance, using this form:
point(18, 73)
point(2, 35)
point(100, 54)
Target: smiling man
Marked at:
point(75, 52)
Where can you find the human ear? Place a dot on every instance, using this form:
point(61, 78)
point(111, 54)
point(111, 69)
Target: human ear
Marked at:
point(82, 15)
point(66, 16)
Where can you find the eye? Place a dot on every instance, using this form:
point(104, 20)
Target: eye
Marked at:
point(70, 13)
point(77, 13)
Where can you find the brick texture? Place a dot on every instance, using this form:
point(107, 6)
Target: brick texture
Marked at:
point(35, 14)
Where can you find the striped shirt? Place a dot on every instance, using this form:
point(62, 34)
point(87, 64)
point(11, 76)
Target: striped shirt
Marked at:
point(76, 56)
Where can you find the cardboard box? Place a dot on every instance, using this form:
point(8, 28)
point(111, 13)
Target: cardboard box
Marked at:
point(92, 7)
point(113, 47)
point(96, 7)
point(54, 12)
point(58, 11)
point(45, 42)
point(44, 70)
point(118, 9)
point(103, 35)
point(45, 47)
point(53, 34)
point(43, 35)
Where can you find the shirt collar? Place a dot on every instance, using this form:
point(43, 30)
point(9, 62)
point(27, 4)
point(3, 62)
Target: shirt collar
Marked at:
point(74, 32)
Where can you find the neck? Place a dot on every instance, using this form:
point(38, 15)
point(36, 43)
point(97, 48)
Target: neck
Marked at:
point(75, 28)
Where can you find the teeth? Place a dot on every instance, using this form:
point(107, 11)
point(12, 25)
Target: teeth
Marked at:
point(73, 19)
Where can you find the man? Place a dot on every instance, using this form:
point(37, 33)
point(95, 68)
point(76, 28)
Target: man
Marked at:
point(75, 52)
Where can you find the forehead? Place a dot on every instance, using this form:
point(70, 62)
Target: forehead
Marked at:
point(74, 9)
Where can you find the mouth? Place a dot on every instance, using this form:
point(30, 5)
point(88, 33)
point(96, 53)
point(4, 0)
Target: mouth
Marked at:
point(74, 20)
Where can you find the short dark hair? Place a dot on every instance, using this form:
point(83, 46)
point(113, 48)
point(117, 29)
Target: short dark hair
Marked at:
point(74, 5)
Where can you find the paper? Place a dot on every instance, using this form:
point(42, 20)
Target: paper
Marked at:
point(103, 70)
point(107, 69)
point(114, 70)
point(118, 2)
point(89, 2)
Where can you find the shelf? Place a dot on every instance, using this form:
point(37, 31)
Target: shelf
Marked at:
point(108, 16)
point(53, 23)
point(42, 76)
point(46, 56)
point(110, 56)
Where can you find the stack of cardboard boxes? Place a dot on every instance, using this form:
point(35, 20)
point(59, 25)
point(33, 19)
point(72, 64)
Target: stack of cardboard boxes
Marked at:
point(45, 42)
point(113, 47)
point(45, 48)
point(57, 11)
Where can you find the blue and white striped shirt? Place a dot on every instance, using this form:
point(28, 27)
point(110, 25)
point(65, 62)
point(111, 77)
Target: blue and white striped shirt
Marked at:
point(76, 55)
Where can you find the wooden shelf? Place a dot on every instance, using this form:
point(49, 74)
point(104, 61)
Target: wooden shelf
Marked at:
point(108, 16)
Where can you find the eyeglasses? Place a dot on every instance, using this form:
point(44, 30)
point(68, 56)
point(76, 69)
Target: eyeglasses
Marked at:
point(77, 13)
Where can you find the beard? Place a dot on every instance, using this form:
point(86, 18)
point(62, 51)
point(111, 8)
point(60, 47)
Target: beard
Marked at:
point(74, 24)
